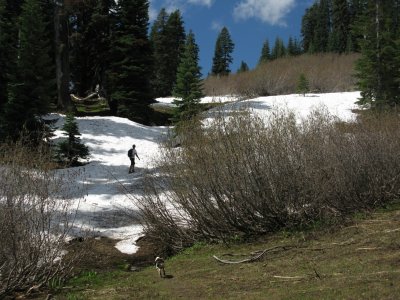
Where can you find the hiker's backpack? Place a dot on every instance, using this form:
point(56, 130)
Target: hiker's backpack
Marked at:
point(130, 153)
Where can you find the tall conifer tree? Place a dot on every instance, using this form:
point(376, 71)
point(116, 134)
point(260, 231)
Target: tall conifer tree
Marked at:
point(90, 44)
point(62, 53)
point(188, 87)
point(176, 37)
point(243, 67)
point(9, 12)
point(3, 77)
point(378, 70)
point(31, 88)
point(130, 71)
point(168, 39)
point(265, 53)
point(223, 53)
point(340, 26)
point(279, 49)
point(293, 47)
point(158, 39)
point(322, 30)
point(308, 25)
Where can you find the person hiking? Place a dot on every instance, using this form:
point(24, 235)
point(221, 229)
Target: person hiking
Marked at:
point(131, 154)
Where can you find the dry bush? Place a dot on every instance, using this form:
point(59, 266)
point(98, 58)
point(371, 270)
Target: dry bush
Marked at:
point(33, 224)
point(242, 176)
point(325, 72)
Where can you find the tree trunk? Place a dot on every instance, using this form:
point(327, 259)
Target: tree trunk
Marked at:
point(62, 56)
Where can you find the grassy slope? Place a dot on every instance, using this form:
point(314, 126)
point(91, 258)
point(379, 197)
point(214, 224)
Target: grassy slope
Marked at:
point(360, 260)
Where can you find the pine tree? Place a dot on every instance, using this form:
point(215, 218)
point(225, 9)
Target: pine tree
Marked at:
point(71, 149)
point(158, 39)
point(357, 9)
point(243, 67)
point(292, 47)
point(90, 44)
point(130, 72)
point(308, 25)
point(31, 87)
point(188, 87)
point(279, 49)
point(3, 78)
point(378, 70)
point(62, 54)
point(168, 39)
point(316, 27)
point(340, 26)
point(322, 30)
point(176, 37)
point(303, 85)
point(9, 11)
point(265, 53)
point(297, 47)
point(222, 56)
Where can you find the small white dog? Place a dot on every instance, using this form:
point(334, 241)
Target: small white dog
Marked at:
point(160, 266)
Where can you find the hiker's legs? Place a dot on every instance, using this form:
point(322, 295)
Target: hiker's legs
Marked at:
point(132, 166)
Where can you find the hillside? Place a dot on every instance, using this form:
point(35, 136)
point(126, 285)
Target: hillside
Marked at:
point(355, 260)
point(105, 198)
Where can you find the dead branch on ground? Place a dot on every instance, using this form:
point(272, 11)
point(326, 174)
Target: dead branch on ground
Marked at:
point(256, 255)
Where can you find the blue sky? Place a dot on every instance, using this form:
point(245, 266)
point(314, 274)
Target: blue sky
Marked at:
point(250, 23)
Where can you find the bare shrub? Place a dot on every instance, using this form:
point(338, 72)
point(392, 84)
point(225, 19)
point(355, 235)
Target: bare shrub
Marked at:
point(242, 176)
point(326, 73)
point(33, 224)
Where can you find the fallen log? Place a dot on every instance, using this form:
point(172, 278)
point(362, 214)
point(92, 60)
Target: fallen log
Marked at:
point(260, 253)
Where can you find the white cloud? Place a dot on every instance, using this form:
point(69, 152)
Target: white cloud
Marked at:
point(269, 11)
point(217, 26)
point(172, 5)
point(207, 3)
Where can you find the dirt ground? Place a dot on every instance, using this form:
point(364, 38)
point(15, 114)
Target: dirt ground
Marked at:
point(100, 255)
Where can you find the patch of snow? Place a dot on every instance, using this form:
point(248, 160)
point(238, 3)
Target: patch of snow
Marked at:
point(103, 205)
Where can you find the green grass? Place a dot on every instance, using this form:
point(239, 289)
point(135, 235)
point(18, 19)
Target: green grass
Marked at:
point(360, 260)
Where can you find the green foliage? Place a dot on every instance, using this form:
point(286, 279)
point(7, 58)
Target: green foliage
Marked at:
point(323, 28)
point(9, 11)
point(243, 67)
point(90, 35)
point(188, 88)
point(308, 24)
point(223, 53)
point(265, 53)
point(340, 26)
point(3, 49)
point(158, 39)
point(293, 47)
point(130, 71)
point(176, 36)
point(328, 25)
point(378, 70)
point(279, 49)
point(31, 86)
point(71, 149)
point(168, 39)
point(303, 85)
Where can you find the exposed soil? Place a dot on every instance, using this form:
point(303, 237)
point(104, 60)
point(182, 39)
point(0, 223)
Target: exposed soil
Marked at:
point(100, 255)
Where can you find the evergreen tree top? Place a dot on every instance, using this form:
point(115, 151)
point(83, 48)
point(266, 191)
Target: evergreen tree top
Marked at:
point(222, 55)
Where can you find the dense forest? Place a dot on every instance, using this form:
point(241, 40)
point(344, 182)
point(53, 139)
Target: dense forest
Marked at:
point(52, 49)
